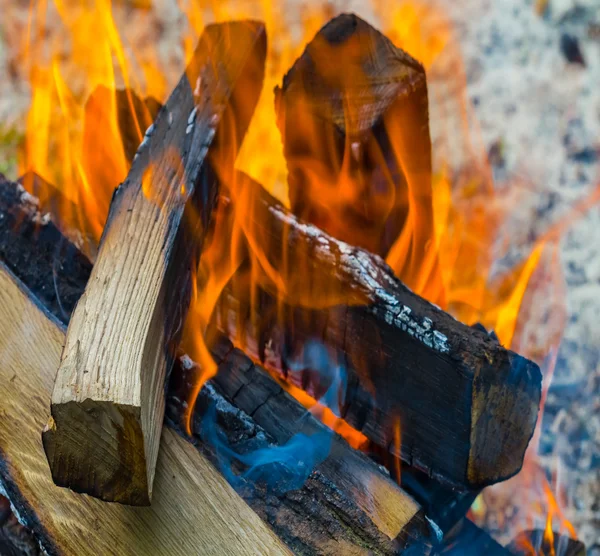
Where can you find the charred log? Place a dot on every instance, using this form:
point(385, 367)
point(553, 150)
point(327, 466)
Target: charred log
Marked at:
point(466, 406)
point(354, 119)
point(344, 504)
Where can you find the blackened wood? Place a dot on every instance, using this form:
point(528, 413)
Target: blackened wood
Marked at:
point(15, 540)
point(354, 119)
point(346, 505)
point(466, 406)
point(539, 542)
point(469, 540)
point(38, 253)
point(108, 400)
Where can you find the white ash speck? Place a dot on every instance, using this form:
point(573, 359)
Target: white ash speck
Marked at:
point(198, 85)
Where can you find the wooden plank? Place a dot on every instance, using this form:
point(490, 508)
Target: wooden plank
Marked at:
point(108, 401)
point(194, 510)
point(466, 406)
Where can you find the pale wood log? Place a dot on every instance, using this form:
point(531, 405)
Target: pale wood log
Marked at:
point(194, 510)
point(108, 400)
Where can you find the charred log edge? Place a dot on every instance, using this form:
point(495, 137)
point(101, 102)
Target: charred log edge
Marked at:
point(536, 538)
point(23, 510)
point(319, 499)
point(56, 270)
point(318, 493)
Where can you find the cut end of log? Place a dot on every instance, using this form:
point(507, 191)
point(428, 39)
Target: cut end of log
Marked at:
point(505, 405)
point(97, 448)
point(351, 65)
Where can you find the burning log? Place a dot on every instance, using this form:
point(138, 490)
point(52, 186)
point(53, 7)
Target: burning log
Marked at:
point(108, 403)
point(357, 507)
point(194, 510)
point(546, 543)
point(466, 407)
point(354, 119)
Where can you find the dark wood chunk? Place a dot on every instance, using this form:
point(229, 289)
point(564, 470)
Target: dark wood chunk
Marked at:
point(466, 406)
point(354, 120)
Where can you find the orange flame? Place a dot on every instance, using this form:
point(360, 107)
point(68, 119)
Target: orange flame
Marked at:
point(73, 144)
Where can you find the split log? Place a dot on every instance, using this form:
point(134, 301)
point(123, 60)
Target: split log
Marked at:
point(354, 120)
point(319, 495)
point(466, 406)
point(194, 510)
point(108, 402)
point(330, 513)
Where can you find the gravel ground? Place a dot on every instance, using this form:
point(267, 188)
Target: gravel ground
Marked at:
point(530, 73)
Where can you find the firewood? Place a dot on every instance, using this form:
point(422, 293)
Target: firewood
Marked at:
point(354, 119)
point(324, 499)
point(466, 406)
point(194, 510)
point(545, 543)
point(345, 505)
point(108, 402)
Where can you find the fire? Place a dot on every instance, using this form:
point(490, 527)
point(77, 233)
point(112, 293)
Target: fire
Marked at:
point(74, 141)
point(73, 138)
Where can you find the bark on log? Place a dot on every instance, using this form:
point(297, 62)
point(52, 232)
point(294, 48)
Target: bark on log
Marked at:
point(108, 402)
point(354, 119)
point(467, 406)
point(193, 511)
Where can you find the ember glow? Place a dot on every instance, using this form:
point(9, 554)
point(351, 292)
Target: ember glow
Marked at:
point(447, 250)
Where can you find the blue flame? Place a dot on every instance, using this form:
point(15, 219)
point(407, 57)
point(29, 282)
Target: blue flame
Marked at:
point(285, 467)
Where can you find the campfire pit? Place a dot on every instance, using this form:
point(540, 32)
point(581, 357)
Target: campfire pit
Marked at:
point(284, 315)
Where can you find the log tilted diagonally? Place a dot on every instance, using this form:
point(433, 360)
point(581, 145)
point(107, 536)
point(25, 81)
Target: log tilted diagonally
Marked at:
point(108, 401)
point(466, 406)
point(242, 411)
point(194, 510)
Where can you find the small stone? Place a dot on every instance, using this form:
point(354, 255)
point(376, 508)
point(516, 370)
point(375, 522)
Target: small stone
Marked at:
point(569, 46)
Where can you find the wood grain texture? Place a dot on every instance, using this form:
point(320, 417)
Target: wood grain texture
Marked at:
point(194, 510)
point(466, 406)
point(108, 400)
